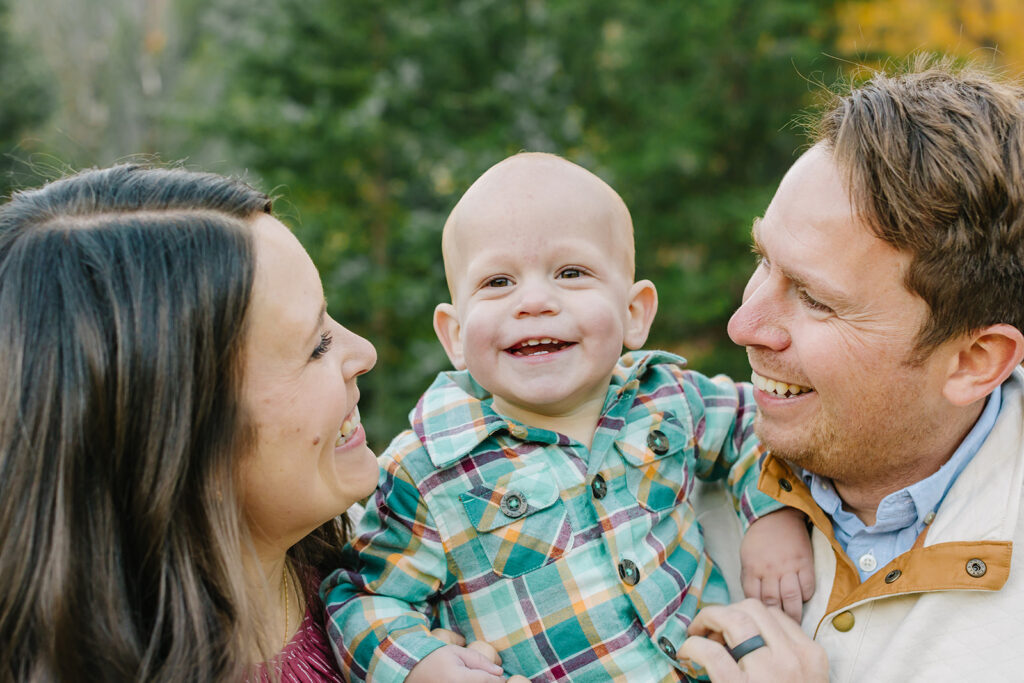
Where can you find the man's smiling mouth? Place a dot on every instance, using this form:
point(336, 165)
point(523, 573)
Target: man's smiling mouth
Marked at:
point(777, 387)
point(538, 346)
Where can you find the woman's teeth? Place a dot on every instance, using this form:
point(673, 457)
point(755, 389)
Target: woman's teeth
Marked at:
point(772, 386)
point(348, 428)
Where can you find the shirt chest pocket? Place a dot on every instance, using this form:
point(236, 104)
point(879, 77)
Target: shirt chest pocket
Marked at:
point(521, 524)
point(658, 452)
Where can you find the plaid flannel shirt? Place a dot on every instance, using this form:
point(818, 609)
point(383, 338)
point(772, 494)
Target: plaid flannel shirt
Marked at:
point(575, 563)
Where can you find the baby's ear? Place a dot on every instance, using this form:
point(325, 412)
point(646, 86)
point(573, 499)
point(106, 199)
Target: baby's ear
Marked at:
point(449, 332)
point(643, 305)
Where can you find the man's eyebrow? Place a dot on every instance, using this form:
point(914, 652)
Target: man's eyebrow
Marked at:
point(829, 294)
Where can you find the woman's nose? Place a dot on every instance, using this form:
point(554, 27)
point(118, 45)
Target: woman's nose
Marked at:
point(359, 355)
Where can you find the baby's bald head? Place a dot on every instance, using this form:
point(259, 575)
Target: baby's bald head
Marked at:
point(531, 189)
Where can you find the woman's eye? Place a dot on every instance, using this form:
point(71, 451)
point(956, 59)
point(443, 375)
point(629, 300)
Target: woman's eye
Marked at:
point(325, 343)
point(812, 303)
point(498, 282)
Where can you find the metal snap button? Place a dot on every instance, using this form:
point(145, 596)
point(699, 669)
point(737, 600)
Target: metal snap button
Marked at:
point(667, 647)
point(513, 504)
point(976, 568)
point(893, 575)
point(785, 485)
point(599, 487)
point(843, 621)
point(658, 442)
point(629, 573)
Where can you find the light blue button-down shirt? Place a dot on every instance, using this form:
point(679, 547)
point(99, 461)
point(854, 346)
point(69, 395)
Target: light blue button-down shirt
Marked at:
point(903, 514)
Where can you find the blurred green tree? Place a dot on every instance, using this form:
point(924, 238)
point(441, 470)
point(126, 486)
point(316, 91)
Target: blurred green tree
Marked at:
point(25, 101)
point(371, 118)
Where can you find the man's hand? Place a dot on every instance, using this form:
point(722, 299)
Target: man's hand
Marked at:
point(777, 561)
point(787, 654)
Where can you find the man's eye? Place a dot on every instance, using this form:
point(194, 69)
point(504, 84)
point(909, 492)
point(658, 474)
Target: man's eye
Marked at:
point(498, 282)
point(812, 303)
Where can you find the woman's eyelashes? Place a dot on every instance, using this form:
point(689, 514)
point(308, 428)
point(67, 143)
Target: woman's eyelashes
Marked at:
point(323, 346)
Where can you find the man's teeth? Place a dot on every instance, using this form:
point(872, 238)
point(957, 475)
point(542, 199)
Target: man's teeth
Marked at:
point(348, 428)
point(776, 387)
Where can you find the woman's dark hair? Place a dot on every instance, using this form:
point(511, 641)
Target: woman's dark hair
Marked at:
point(123, 296)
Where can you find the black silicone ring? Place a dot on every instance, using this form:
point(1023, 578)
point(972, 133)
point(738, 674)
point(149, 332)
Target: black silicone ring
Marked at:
point(746, 647)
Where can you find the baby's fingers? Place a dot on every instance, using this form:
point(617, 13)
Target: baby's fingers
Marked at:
point(791, 596)
point(806, 575)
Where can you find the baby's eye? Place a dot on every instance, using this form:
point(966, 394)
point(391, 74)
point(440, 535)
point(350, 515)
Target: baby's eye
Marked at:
point(321, 348)
point(499, 281)
point(570, 273)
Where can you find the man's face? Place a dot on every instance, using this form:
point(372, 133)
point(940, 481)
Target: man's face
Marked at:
point(830, 332)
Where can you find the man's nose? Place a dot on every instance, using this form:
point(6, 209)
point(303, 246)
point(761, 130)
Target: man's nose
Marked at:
point(760, 321)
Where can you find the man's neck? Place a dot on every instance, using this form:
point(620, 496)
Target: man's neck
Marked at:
point(863, 496)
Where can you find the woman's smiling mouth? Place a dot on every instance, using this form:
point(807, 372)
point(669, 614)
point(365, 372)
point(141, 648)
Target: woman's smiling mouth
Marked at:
point(348, 428)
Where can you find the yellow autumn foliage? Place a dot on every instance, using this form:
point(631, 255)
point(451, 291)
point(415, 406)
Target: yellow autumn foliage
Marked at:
point(989, 31)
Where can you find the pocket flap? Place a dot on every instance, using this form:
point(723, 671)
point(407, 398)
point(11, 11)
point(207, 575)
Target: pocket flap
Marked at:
point(652, 438)
point(509, 499)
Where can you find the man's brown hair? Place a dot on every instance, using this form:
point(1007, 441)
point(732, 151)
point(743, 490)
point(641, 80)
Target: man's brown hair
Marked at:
point(934, 157)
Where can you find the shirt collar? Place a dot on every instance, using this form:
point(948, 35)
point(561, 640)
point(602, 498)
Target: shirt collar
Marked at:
point(910, 505)
point(456, 414)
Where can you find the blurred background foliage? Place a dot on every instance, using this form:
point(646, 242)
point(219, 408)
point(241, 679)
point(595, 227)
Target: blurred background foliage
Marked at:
point(368, 119)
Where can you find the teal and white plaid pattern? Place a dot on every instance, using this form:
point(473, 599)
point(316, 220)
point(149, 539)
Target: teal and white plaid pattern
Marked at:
point(575, 564)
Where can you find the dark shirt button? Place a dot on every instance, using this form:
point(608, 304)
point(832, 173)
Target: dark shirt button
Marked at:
point(667, 647)
point(658, 442)
point(513, 504)
point(786, 486)
point(598, 486)
point(893, 575)
point(976, 568)
point(629, 573)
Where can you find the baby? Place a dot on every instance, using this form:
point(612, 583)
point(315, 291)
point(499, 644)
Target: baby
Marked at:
point(540, 499)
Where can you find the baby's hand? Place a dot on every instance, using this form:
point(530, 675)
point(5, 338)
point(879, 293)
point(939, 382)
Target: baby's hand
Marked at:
point(457, 664)
point(777, 561)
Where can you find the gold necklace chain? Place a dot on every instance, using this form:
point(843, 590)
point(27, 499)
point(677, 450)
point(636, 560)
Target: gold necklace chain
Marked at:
point(284, 597)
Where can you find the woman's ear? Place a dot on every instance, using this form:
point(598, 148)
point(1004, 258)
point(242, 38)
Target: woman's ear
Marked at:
point(983, 361)
point(643, 305)
point(449, 332)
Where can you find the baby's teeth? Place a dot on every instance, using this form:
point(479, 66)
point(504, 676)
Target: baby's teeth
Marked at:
point(533, 342)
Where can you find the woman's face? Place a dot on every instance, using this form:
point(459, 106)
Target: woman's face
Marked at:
point(310, 461)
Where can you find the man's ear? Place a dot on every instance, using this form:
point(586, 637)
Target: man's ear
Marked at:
point(984, 360)
point(643, 305)
point(449, 332)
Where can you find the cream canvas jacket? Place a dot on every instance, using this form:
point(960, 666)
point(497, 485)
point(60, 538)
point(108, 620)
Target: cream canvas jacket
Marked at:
point(951, 608)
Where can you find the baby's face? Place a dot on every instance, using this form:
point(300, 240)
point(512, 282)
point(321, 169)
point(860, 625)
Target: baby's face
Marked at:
point(541, 279)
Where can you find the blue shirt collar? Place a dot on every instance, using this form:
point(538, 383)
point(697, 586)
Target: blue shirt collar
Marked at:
point(909, 506)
